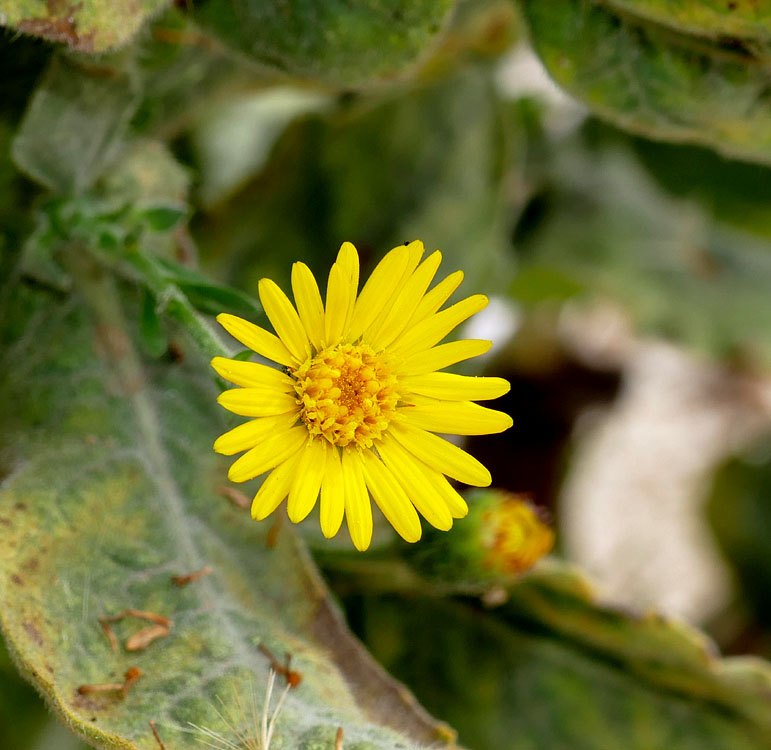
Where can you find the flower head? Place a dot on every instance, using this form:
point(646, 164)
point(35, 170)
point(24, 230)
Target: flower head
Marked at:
point(354, 409)
point(503, 537)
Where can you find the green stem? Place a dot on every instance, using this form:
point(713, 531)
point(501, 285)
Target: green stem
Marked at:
point(174, 303)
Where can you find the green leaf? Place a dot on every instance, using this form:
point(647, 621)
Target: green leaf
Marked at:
point(163, 218)
point(86, 26)
point(672, 71)
point(111, 488)
point(168, 279)
point(334, 41)
point(715, 19)
point(75, 124)
point(553, 667)
point(150, 179)
point(151, 332)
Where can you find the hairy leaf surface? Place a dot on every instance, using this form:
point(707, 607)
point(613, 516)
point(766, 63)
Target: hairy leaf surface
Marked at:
point(334, 41)
point(643, 66)
point(110, 490)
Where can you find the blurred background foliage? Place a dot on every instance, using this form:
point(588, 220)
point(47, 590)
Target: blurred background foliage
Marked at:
point(622, 229)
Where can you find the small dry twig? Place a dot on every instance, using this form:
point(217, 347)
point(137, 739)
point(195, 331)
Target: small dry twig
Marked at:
point(131, 676)
point(271, 540)
point(237, 498)
point(141, 614)
point(339, 739)
point(109, 687)
point(110, 635)
point(143, 638)
point(194, 576)
point(156, 735)
point(293, 678)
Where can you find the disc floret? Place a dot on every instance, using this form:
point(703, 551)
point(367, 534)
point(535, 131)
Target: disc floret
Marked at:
point(347, 393)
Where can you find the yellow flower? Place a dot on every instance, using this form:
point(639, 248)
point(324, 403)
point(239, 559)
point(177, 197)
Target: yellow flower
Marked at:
point(353, 411)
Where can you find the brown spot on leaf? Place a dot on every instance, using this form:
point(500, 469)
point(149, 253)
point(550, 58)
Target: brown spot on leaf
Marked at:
point(5, 521)
point(33, 633)
point(17, 580)
point(176, 353)
point(32, 564)
point(20, 506)
point(60, 26)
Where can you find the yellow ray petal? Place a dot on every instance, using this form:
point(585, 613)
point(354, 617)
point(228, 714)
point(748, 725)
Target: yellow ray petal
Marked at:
point(436, 298)
point(250, 433)
point(444, 355)
point(257, 339)
point(274, 489)
point(348, 259)
point(404, 303)
point(377, 290)
point(456, 418)
point(441, 455)
point(252, 374)
point(284, 319)
point(390, 497)
point(414, 254)
point(257, 402)
point(456, 504)
point(307, 482)
point(450, 387)
point(308, 300)
point(358, 508)
point(332, 504)
point(266, 455)
point(432, 330)
point(408, 471)
point(339, 296)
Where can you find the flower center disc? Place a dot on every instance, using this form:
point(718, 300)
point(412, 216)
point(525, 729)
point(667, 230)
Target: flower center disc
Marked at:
point(347, 393)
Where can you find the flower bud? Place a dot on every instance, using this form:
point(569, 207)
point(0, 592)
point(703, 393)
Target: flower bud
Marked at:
point(503, 536)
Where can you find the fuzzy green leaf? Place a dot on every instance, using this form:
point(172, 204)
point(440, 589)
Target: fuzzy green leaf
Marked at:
point(686, 71)
point(74, 124)
point(107, 464)
point(718, 19)
point(86, 26)
point(553, 667)
point(335, 41)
